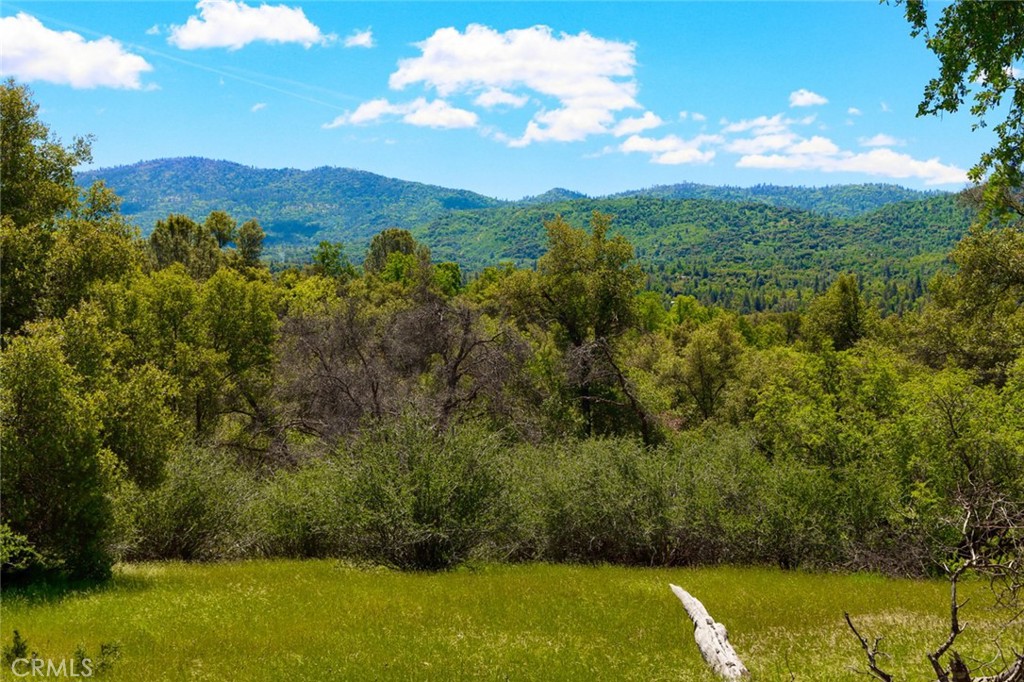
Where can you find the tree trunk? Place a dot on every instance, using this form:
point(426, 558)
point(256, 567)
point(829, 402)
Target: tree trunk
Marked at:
point(712, 639)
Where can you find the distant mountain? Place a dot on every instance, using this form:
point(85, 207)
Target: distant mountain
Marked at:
point(293, 206)
point(776, 243)
point(843, 201)
point(299, 207)
point(552, 196)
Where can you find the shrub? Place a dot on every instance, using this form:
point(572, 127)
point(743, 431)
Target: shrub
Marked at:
point(308, 512)
point(424, 500)
point(200, 511)
point(605, 500)
point(18, 558)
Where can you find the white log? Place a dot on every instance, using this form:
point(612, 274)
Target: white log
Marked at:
point(712, 639)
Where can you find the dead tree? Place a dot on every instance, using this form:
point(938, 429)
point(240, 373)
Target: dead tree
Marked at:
point(991, 529)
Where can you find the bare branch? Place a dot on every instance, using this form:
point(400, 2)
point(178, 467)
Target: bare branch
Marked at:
point(871, 651)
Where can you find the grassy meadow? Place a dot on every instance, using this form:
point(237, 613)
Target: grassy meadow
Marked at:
point(325, 620)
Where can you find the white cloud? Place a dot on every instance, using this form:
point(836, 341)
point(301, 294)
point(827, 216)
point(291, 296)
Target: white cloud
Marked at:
point(765, 125)
point(884, 106)
point(153, 30)
point(896, 165)
point(762, 143)
point(698, 117)
point(762, 125)
point(439, 114)
point(774, 145)
point(805, 98)
point(671, 149)
point(360, 39)
point(815, 145)
point(588, 79)
point(32, 52)
point(233, 24)
point(882, 162)
point(259, 106)
point(367, 112)
point(495, 97)
point(880, 140)
point(569, 124)
point(629, 126)
point(854, 111)
point(419, 112)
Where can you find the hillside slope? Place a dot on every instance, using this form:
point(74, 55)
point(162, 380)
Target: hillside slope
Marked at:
point(293, 206)
point(713, 249)
point(769, 245)
point(841, 201)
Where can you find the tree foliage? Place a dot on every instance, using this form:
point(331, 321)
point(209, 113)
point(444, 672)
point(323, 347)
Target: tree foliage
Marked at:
point(838, 316)
point(387, 243)
point(53, 482)
point(980, 46)
point(36, 169)
point(179, 239)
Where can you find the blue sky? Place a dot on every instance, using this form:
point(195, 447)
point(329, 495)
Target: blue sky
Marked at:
point(507, 99)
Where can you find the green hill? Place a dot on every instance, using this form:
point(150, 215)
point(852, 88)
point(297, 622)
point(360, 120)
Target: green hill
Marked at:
point(762, 247)
point(843, 201)
point(293, 206)
point(749, 256)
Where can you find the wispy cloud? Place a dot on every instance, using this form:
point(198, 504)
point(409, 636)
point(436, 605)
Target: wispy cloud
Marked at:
point(806, 98)
point(32, 52)
point(233, 25)
point(629, 126)
point(259, 106)
point(776, 143)
point(496, 97)
point(672, 150)
point(765, 125)
point(434, 114)
point(854, 111)
point(821, 154)
point(360, 39)
point(880, 140)
point(882, 162)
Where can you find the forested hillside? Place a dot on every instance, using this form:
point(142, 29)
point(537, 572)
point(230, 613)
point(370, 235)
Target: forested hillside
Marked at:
point(749, 249)
point(843, 201)
point(292, 205)
point(745, 256)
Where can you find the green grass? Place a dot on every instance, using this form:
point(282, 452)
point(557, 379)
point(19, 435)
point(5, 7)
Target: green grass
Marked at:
point(324, 620)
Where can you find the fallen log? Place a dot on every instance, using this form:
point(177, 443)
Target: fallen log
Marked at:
point(712, 639)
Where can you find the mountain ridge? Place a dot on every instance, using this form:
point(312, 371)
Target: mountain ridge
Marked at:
point(355, 203)
point(774, 243)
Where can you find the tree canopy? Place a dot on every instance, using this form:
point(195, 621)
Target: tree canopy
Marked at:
point(980, 46)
